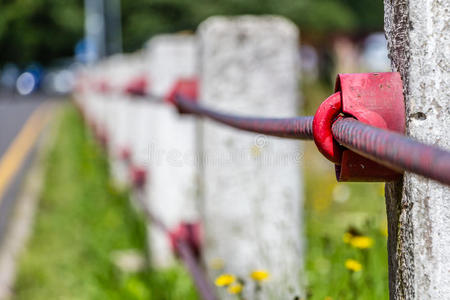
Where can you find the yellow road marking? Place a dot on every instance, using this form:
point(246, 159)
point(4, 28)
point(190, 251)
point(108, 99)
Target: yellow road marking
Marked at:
point(14, 157)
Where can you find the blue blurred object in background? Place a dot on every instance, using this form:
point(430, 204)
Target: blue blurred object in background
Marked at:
point(9, 76)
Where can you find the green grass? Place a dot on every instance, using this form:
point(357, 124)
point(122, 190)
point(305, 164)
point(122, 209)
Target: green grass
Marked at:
point(328, 215)
point(80, 221)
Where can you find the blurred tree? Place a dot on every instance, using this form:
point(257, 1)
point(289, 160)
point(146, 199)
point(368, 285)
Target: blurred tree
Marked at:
point(46, 29)
point(316, 18)
point(40, 30)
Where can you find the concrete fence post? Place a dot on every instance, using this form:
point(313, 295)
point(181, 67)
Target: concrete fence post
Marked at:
point(172, 189)
point(252, 184)
point(119, 118)
point(138, 121)
point(418, 209)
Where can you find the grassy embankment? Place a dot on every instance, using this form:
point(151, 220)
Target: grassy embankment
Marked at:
point(81, 221)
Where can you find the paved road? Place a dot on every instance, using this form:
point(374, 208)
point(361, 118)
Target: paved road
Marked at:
point(15, 113)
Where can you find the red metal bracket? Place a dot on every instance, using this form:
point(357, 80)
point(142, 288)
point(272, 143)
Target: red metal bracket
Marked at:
point(188, 232)
point(137, 86)
point(186, 87)
point(138, 176)
point(372, 98)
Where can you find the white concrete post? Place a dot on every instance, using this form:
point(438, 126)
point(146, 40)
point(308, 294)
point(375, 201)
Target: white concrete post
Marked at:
point(122, 71)
point(252, 184)
point(418, 34)
point(140, 118)
point(171, 191)
point(112, 77)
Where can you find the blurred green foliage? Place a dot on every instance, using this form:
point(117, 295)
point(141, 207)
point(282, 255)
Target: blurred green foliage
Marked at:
point(39, 30)
point(316, 18)
point(43, 30)
point(81, 221)
point(331, 211)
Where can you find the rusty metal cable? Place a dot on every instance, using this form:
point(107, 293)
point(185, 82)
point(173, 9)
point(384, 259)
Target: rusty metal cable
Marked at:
point(294, 128)
point(393, 150)
point(388, 148)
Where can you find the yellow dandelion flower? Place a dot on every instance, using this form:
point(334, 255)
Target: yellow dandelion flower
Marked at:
point(235, 289)
point(353, 265)
point(347, 238)
point(328, 298)
point(225, 280)
point(259, 275)
point(361, 242)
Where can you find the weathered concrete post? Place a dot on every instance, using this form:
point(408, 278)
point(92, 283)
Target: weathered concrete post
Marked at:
point(418, 35)
point(171, 190)
point(252, 184)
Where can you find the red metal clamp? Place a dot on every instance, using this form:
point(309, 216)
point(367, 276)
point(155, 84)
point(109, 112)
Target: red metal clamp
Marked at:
point(138, 176)
point(372, 98)
point(190, 234)
point(137, 86)
point(186, 87)
point(125, 154)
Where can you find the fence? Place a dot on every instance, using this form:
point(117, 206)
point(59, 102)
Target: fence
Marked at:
point(244, 67)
